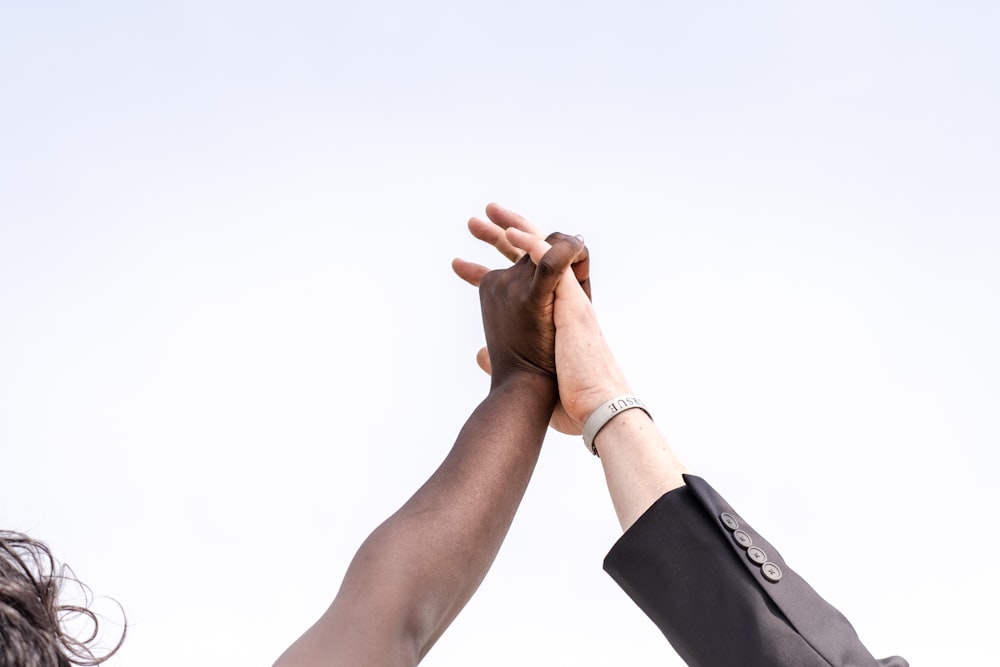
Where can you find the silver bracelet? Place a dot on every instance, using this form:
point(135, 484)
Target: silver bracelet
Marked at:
point(608, 411)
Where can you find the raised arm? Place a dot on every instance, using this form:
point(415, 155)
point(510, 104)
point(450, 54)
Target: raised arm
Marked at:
point(588, 374)
point(639, 464)
point(719, 591)
point(416, 571)
point(493, 230)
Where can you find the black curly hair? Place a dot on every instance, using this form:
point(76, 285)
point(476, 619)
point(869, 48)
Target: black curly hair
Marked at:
point(32, 619)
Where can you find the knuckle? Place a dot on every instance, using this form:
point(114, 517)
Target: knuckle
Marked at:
point(551, 263)
point(573, 244)
point(488, 281)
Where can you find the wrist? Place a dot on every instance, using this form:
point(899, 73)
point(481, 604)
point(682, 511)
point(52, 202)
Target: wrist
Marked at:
point(609, 411)
point(588, 372)
point(624, 425)
point(591, 400)
point(539, 386)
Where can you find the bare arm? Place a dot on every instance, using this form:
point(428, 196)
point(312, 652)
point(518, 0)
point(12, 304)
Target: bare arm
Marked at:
point(639, 464)
point(417, 570)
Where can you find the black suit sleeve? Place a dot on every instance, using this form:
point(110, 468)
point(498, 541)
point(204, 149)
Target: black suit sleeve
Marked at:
point(722, 594)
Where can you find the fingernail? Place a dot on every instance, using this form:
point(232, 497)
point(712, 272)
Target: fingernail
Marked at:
point(580, 236)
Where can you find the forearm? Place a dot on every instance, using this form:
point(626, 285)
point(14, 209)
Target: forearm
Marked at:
point(455, 523)
point(639, 464)
point(417, 570)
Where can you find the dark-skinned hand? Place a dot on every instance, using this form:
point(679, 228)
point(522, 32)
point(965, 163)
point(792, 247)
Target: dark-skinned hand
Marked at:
point(493, 230)
point(518, 305)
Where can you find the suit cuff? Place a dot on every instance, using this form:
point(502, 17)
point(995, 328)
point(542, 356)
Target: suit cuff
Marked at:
point(687, 563)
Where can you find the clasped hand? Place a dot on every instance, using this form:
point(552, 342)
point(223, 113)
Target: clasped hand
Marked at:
point(538, 317)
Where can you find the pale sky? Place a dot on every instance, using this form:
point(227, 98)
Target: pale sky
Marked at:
point(231, 343)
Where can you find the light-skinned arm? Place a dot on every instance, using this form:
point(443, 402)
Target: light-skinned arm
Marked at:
point(417, 570)
point(639, 464)
point(687, 558)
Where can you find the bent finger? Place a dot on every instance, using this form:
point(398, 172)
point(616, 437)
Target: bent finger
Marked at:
point(536, 249)
point(580, 266)
point(554, 264)
point(581, 269)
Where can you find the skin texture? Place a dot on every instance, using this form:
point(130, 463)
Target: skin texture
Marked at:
point(416, 571)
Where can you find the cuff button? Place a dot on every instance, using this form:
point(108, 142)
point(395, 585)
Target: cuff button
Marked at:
point(742, 539)
point(757, 555)
point(729, 521)
point(771, 572)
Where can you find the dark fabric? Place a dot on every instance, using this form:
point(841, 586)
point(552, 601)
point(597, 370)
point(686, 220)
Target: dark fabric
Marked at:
point(681, 565)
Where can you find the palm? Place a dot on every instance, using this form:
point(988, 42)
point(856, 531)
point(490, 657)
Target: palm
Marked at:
point(562, 422)
point(586, 370)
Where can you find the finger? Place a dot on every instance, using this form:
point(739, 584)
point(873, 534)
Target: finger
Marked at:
point(580, 266)
point(470, 272)
point(536, 249)
point(534, 245)
point(554, 263)
point(585, 286)
point(505, 219)
point(491, 233)
point(483, 359)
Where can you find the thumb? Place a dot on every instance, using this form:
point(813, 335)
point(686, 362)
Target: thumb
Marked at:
point(483, 359)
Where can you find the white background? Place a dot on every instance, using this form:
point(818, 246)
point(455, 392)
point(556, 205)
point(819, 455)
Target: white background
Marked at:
point(231, 343)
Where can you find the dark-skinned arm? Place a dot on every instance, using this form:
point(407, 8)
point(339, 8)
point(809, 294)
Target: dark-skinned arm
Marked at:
point(417, 570)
